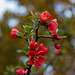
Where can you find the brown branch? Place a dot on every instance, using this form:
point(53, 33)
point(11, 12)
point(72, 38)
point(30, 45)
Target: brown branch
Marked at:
point(43, 36)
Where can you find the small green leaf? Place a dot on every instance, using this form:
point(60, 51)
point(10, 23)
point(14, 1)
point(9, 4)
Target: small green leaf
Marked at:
point(26, 48)
point(49, 33)
point(31, 34)
point(63, 36)
point(27, 52)
point(27, 64)
point(37, 16)
point(29, 29)
point(19, 51)
point(31, 17)
point(36, 24)
point(56, 30)
point(18, 67)
point(19, 34)
point(32, 14)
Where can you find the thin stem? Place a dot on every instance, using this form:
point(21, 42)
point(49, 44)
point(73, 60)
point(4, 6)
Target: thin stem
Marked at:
point(43, 36)
point(36, 35)
point(28, 39)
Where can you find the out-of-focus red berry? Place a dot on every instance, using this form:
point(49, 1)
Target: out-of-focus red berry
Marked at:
point(57, 51)
point(57, 46)
point(13, 33)
point(45, 16)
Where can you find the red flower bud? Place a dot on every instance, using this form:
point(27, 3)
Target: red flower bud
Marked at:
point(45, 16)
point(21, 71)
point(57, 51)
point(57, 46)
point(55, 36)
point(33, 45)
point(58, 37)
point(13, 33)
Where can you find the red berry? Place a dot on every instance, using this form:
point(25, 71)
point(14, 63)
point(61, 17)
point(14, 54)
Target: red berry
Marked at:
point(57, 46)
point(13, 33)
point(57, 51)
point(55, 36)
point(58, 37)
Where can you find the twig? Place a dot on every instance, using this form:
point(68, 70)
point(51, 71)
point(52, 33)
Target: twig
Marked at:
point(43, 36)
point(28, 39)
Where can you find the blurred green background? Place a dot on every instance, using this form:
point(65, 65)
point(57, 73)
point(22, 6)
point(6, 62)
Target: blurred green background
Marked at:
point(14, 14)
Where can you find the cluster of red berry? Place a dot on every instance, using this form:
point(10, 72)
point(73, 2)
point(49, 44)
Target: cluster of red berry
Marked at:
point(57, 46)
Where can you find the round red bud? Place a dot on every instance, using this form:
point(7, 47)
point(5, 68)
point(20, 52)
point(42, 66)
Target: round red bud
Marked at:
point(54, 36)
point(58, 51)
point(13, 33)
point(57, 46)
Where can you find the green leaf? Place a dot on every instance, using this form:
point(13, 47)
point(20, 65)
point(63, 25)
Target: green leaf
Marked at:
point(49, 33)
point(36, 24)
point(63, 36)
point(31, 17)
point(27, 52)
point(27, 64)
point(56, 30)
point(31, 34)
point(26, 48)
point(32, 14)
point(18, 67)
point(27, 27)
point(37, 16)
point(19, 34)
point(19, 51)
